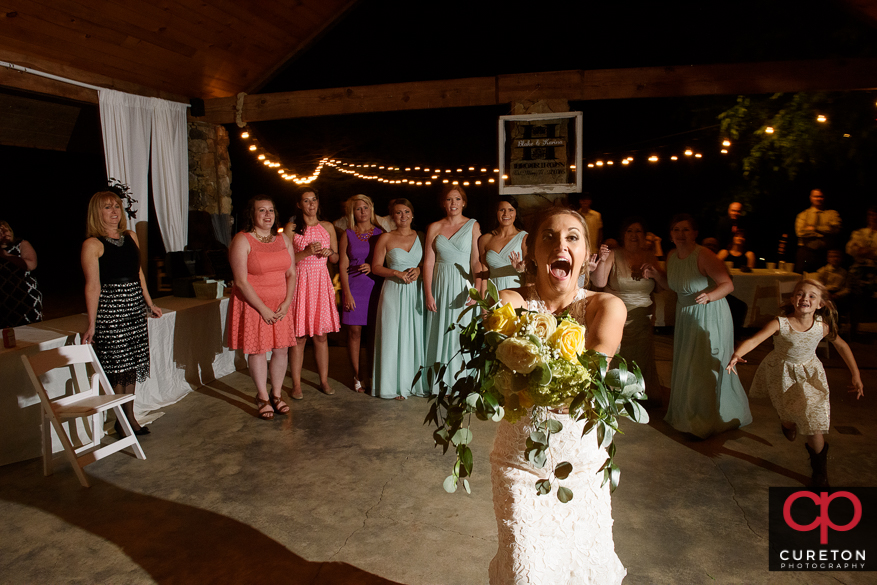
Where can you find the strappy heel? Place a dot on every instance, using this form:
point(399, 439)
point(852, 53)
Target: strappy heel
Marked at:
point(264, 414)
point(278, 405)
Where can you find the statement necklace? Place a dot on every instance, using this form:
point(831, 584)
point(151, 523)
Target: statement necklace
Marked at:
point(118, 243)
point(264, 239)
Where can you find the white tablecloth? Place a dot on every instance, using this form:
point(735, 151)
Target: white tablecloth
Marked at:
point(186, 348)
point(758, 289)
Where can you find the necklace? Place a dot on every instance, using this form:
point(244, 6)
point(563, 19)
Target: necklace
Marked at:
point(364, 236)
point(264, 239)
point(118, 243)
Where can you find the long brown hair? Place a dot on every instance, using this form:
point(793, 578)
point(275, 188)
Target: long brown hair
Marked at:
point(828, 311)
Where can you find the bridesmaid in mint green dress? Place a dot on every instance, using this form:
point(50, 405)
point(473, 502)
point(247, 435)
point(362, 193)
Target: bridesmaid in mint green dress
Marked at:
point(502, 250)
point(450, 268)
point(704, 398)
point(399, 340)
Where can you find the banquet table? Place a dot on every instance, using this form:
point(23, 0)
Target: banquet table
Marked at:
point(186, 347)
point(758, 289)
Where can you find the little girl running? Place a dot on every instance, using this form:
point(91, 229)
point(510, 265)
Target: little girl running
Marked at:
point(793, 376)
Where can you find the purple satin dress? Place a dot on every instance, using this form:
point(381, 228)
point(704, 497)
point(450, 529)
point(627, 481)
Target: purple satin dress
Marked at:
point(362, 286)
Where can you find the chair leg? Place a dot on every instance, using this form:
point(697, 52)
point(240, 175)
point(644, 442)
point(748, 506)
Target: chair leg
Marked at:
point(46, 433)
point(70, 452)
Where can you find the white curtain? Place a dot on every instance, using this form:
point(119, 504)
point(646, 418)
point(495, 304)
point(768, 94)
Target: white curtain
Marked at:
point(128, 122)
point(170, 173)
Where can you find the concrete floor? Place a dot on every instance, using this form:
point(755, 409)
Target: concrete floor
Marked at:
point(347, 490)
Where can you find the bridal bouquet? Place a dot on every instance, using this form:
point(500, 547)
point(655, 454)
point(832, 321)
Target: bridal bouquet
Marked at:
point(523, 362)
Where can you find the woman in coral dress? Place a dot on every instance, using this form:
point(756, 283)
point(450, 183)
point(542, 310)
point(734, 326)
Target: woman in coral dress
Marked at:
point(313, 305)
point(264, 280)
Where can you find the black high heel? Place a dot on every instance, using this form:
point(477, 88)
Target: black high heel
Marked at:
point(142, 431)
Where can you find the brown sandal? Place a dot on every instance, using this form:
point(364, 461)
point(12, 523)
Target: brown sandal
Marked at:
point(279, 406)
point(264, 414)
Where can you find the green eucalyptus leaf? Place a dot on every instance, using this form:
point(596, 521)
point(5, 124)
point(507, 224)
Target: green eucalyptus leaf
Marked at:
point(563, 470)
point(538, 437)
point(601, 433)
point(473, 399)
point(498, 414)
point(543, 486)
point(535, 340)
point(614, 477)
point(541, 376)
point(492, 292)
point(642, 415)
point(554, 426)
point(466, 459)
point(494, 338)
point(466, 486)
point(462, 437)
point(475, 295)
point(450, 484)
point(564, 494)
point(540, 459)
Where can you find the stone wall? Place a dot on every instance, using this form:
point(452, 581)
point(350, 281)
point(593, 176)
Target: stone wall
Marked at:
point(209, 169)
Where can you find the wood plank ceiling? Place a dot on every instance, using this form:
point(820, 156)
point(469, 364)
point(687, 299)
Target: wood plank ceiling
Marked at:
point(176, 49)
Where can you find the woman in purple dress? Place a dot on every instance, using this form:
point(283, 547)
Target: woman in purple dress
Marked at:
point(358, 290)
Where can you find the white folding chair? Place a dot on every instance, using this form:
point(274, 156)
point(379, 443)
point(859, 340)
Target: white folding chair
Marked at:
point(86, 402)
point(784, 293)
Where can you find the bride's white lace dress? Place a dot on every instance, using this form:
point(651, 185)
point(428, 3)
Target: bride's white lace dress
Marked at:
point(543, 541)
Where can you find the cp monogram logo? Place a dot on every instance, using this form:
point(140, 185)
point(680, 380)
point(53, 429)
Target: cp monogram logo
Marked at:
point(822, 521)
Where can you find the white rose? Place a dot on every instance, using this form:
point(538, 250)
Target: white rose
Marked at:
point(519, 355)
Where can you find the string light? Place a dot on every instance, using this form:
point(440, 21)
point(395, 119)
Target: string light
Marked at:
point(653, 158)
point(768, 130)
point(821, 118)
point(726, 143)
point(245, 135)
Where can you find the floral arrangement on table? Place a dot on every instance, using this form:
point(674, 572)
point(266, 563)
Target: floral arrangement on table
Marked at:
point(525, 362)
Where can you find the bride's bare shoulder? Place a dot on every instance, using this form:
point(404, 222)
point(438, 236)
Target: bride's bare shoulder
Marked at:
point(516, 296)
point(606, 305)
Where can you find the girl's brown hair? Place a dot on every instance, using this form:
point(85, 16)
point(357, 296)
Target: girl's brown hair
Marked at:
point(249, 222)
point(94, 228)
point(828, 312)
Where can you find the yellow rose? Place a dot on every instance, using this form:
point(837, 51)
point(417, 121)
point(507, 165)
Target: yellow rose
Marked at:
point(519, 355)
point(542, 324)
point(502, 320)
point(569, 340)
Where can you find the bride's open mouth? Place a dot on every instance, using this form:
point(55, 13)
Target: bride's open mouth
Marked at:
point(560, 268)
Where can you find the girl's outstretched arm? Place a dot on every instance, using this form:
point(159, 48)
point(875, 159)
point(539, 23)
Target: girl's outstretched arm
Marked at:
point(846, 353)
point(751, 344)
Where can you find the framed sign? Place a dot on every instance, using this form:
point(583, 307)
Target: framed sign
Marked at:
point(540, 153)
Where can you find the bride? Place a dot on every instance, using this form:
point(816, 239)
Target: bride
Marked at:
point(541, 540)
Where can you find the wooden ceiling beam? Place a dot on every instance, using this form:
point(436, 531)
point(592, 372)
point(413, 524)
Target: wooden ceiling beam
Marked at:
point(38, 84)
point(599, 84)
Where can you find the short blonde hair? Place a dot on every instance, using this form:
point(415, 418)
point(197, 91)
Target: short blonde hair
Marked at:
point(351, 203)
point(94, 227)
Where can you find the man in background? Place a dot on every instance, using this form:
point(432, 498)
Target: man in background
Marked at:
point(815, 228)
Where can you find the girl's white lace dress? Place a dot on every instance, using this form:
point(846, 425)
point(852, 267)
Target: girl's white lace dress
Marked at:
point(543, 541)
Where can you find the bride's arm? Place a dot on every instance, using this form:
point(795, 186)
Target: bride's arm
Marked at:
point(604, 317)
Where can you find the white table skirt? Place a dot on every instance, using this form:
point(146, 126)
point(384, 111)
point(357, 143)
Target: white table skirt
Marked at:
point(758, 289)
point(187, 349)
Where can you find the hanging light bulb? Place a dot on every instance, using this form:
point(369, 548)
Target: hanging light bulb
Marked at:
point(245, 134)
point(726, 143)
point(252, 147)
point(768, 130)
point(821, 118)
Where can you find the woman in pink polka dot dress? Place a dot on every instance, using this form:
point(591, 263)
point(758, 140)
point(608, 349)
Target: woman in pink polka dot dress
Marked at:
point(313, 306)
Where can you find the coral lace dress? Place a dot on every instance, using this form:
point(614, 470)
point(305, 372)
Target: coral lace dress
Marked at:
point(313, 306)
